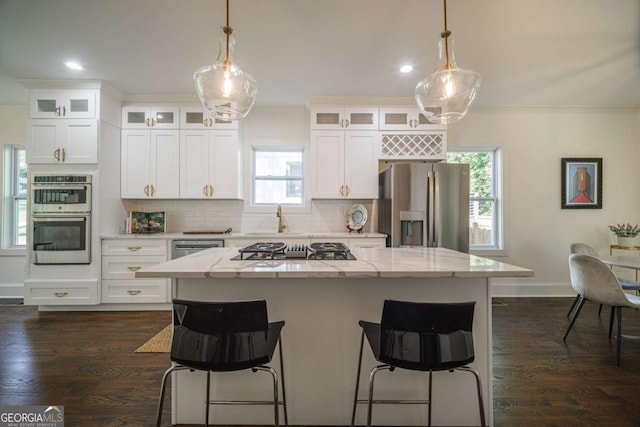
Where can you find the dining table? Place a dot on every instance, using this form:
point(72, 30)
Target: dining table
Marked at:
point(623, 261)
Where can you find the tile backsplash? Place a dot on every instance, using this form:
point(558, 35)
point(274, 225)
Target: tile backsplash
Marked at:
point(203, 215)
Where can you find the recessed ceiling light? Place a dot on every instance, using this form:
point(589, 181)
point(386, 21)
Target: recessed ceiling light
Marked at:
point(406, 69)
point(73, 65)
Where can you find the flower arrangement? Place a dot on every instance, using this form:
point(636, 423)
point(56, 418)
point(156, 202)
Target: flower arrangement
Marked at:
point(622, 230)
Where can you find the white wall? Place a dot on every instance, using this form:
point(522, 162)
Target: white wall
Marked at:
point(13, 130)
point(538, 232)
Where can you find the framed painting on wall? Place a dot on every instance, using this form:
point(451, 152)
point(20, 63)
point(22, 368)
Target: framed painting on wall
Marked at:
point(581, 183)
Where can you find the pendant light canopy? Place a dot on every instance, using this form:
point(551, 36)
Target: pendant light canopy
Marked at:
point(446, 95)
point(227, 92)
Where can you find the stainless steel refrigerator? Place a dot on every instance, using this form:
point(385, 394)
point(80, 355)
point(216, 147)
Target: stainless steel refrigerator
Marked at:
point(425, 204)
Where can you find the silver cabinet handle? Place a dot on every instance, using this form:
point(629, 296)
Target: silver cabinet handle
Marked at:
point(133, 268)
point(61, 294)
point(56, 155)
point(133, 291)
point(134, 248)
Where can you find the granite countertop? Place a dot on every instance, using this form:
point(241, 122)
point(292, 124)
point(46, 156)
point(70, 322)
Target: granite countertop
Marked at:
point(371, 262)
point(255, 236)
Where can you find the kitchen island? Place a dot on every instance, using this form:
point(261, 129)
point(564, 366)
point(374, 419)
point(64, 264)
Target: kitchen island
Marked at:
point(321, 302)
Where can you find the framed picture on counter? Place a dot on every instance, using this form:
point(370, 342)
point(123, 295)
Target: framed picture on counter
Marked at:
point(581, 183)
point(147, 222)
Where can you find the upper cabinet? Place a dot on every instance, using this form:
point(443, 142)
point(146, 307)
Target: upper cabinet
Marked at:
point(405, 118)
point(63, 104)
point(150, 117)
point(344, 165)
point(62, 141)
point(344, 118)
point(210, 164)
point(194, 116)
point(150, 165)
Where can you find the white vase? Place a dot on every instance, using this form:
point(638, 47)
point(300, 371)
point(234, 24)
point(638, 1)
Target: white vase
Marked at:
point(627, 242)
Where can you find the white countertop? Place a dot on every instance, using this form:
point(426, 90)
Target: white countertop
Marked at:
point(371, 262)
point(254, 236)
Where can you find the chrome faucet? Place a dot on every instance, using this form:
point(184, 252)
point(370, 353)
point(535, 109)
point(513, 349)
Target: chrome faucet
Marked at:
point(281, 226)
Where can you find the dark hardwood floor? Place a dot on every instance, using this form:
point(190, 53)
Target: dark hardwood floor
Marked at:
point(86, 362)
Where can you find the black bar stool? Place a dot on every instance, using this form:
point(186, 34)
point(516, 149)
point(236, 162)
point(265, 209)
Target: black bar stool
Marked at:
point(420, 337)
point(223, 337)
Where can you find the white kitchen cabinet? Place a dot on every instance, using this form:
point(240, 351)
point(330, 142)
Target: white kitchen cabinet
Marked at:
point(150, 117)
point(63, 104)
point(405, 118)
point(150, 164)
point(68, 141)
point(121, 258)
point(344, 165)
point(344, 118)
point(194, 116)
point(210, 164)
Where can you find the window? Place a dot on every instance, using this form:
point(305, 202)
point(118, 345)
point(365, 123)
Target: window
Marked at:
point(278, 176)
point(16, 208)
point(485, 218)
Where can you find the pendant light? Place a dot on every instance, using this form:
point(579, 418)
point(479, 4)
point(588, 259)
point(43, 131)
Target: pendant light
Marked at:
point(227, 92)
point(446, 95)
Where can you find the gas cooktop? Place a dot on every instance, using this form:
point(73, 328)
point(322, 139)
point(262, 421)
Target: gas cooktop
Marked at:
point(280, 251)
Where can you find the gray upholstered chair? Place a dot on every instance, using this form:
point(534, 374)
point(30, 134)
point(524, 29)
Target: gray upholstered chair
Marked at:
point(593, 280)
point(584, 249)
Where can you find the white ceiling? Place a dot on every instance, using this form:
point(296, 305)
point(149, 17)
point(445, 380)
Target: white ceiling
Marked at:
point(529, 52)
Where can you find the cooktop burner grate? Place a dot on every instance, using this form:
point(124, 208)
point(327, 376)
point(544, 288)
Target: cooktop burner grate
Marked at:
point(280, 251)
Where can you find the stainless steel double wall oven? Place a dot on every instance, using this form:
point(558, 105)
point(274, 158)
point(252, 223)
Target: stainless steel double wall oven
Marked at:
point(61, 219)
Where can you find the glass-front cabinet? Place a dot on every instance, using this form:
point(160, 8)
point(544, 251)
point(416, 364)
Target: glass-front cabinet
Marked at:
point(194, 116)
point(150, 117)
point(344, 118)
point(63, 104)
point(405, 118)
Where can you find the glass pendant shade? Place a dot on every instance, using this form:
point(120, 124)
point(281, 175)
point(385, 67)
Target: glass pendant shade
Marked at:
point(227, 92)
point(446, 95)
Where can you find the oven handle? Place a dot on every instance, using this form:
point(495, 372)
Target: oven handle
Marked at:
point(59, 187)
point(60, 217)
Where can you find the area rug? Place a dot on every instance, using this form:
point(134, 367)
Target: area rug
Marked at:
point(159, 343)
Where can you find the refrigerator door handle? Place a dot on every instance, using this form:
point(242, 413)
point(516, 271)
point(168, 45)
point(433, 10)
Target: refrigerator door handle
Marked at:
point(430, 225)
point(434, 203)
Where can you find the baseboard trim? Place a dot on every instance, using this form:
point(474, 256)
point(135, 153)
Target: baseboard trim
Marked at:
point(511, 290)
point(11, 290)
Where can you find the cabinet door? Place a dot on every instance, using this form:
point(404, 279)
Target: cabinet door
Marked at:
point(225, 164)
point(135, 164)
point(136, 117)
point(361, 165)
point(43, 141)
point(327, 161)
point(327, 118)
point(165, 117)
point(80, 141)
point(66, 104)
point(194, 164)
point(165, 164)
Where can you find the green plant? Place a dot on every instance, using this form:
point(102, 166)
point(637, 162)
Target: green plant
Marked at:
point(622, 230)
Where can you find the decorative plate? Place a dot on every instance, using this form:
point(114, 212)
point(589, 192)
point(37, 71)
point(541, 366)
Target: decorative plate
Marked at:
point(356, 217)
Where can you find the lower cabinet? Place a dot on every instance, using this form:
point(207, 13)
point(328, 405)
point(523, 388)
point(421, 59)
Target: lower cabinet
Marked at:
point(121, 258)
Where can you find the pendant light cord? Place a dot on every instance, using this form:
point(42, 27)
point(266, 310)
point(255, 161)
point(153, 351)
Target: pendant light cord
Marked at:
point(228, 30)
point(445, 35)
